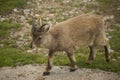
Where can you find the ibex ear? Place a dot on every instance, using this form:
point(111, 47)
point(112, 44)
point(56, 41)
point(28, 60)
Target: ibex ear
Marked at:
point(40, 22)
point(44, 28)
point(33, 25)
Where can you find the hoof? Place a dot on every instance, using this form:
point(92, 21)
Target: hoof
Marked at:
point(108, 60)
point(72, 70)
point(46, 73)
point(89, 62)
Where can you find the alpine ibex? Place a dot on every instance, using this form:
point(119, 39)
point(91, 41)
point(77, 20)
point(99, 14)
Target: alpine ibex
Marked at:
point(85, 30)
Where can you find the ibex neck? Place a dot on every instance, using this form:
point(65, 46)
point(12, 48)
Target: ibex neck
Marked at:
point(48, 41)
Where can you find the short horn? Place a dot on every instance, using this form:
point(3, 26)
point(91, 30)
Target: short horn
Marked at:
point(42, 26)
point(40, 21)
point(33, 23)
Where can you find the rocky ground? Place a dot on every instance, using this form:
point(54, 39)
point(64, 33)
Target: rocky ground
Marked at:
point(34, 72)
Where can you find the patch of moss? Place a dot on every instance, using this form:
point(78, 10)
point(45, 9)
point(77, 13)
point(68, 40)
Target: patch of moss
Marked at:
point(6, 6)
point(115, 40)
point(5, 28)
point(15, 57)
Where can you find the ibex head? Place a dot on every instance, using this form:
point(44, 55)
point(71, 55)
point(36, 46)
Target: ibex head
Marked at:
point(38, 32)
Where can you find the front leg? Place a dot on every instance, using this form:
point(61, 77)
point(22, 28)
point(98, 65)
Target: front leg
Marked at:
point(49, 64)
point(107, 54)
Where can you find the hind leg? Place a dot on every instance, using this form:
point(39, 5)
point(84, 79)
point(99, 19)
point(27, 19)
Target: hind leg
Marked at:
point(107, 55)
point(91, 54)
point(72, 60)
point(107, 50)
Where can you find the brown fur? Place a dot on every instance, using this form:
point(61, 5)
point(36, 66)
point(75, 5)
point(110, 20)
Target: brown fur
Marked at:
point(81, 31)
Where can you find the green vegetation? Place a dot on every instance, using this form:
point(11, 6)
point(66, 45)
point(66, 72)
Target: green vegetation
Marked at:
point(100, 63)
point(14, 57)
point(6, 6)
point(110, 7)
point(5, 27)
point(115, 40)
point(105, 3)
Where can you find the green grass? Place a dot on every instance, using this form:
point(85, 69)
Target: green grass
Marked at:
point(110, 7)
point(6, 6)
point(115, 40)
point(100, 63)
point(5, 28)
point(105, 3)
point(59, 1)
point(14, 57)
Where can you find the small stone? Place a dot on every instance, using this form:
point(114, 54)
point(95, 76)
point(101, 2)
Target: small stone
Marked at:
point(71, 12)
point(26, 11)
point(66, 1)
point(113, 59)
point(118, 57)
point(65, 14)
point(53, 0)
point(111, 50)
point(118, 8)
point(47, 19)
point(29, 3)
point(109, 37)
point(15, 10)
point(85, 1)
point(37, 15)
point(1, 45)
point(22, 18)
point(29, 51)
point(111, 17)
point(51, 15)
point(2, 19)
point(40, 0)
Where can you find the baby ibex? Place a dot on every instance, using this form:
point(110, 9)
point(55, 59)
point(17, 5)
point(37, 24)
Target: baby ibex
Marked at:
point(81, 31)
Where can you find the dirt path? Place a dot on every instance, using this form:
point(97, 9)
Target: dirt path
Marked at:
point(34, 72)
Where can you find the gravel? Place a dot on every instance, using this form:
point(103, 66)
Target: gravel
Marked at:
point(34, 72)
